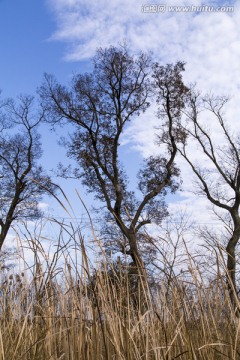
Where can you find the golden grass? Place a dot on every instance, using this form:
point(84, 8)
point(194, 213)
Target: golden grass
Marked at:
point(73, 312)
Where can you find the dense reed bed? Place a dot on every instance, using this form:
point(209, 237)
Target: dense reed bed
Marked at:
point(63, 308)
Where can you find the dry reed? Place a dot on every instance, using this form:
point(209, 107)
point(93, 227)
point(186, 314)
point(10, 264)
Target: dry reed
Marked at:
point(72, 312)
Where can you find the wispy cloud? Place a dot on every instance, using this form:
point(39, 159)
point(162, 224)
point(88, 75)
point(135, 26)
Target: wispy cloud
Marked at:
point(208, 41)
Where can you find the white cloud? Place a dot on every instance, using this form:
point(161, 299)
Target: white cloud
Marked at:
point(208, 41)
point(43, 206)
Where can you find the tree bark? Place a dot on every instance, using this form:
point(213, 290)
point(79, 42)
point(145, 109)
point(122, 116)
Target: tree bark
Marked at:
point(138, 262)
point(231, 265)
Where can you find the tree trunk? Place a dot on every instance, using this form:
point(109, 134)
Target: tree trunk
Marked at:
point(231, 267)
point(139, 272)
point(134, 252)
point(3, 233)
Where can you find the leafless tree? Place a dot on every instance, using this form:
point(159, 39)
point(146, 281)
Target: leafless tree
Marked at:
point(101, 104)
point(22, 180)
point(220, 182)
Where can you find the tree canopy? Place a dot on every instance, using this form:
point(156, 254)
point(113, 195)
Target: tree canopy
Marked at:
point(101, 104)
point(23, 181)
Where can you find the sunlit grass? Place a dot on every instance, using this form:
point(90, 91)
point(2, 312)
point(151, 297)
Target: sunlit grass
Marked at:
point(63, 310)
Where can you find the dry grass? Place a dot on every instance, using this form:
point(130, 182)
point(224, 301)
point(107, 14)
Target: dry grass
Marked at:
point(71, 313)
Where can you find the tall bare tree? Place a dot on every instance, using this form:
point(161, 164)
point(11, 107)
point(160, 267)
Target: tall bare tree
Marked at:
point(22, 181)
point(101, 104)
point(220, 181)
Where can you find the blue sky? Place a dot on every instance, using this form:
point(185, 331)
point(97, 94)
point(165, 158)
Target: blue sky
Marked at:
point(60, 36)
point(26, 51)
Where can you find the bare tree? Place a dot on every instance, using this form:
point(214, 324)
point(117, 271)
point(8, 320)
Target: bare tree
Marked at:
point(220, 182)
point(101, 104)
point(22, 180)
